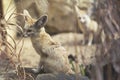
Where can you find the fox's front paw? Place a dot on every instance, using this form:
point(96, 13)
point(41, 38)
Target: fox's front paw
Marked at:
point(36, 71)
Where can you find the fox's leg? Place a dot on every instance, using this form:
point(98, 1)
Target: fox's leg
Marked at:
point(90, 39)
point(40, 69)
point(86, 39)
point(103, 36)
point(35, 70)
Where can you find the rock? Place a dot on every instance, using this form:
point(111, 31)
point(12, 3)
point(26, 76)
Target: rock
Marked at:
point(89, 54)
point(60, 76)
point(61, 17)
point(60, 13)
point(69, 38)
point(73, 44)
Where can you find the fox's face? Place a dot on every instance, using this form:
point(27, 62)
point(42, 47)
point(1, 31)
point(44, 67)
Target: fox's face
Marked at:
point(83, 18)
point(32, 26)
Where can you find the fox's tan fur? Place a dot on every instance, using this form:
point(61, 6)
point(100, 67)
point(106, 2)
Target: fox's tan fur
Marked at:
point(88, 26)
point(54, 57)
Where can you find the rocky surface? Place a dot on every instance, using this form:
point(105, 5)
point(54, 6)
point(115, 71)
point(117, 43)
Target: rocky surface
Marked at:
point(47, 76)
point(60, 76)
point(60, 13)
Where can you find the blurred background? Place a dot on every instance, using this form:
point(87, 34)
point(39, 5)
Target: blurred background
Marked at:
point(99, 61)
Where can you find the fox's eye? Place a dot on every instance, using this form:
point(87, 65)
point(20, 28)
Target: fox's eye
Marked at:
point(29, 30)
point(79, 17)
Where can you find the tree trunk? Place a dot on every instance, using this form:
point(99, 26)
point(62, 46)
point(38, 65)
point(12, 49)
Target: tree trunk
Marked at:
point(107, 15)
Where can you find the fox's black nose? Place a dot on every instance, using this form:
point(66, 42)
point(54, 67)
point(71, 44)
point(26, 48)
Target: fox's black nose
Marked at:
point(25, 35)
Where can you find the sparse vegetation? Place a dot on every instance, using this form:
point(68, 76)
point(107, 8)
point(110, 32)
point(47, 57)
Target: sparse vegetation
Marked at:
point(98, 61)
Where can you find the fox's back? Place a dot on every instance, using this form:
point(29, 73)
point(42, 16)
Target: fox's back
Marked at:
point(93, 26)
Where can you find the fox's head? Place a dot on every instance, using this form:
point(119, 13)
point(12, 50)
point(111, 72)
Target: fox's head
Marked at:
point(32, 26)
point(83, 16)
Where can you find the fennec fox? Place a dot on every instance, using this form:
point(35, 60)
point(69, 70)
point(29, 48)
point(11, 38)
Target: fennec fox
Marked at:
point(54, 57)
point(88, 26)
point(91, 29)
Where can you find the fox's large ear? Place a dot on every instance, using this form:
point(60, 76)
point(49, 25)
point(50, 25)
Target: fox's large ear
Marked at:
point(28, 19)
point(27, 16)
point(26, 13)
point(41, 21)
